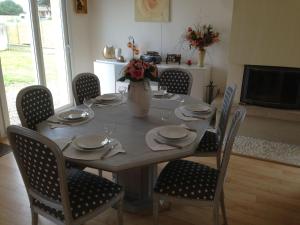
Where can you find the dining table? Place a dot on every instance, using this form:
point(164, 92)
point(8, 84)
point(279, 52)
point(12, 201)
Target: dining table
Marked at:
point(136, 168)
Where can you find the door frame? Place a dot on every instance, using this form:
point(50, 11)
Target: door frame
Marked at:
point(39, 60)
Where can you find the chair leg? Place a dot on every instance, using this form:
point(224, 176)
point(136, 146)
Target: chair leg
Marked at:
point(218, 160)
point(216, 218)
point(100, 173)
point(223, 208)
point(120, 212)
point(155, 209)
point(34, 217)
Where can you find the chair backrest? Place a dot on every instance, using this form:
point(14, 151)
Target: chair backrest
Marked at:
point(42, 167)
point(237, 119)
point(85, 85)
point(178, 81)
point(34, 105)
point(225, 111)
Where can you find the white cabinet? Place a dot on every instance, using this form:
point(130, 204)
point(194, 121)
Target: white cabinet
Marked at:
point(109, 71)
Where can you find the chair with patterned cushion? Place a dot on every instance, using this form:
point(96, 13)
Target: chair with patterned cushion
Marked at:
point(196, 184)
point(34, 105)
point(177, 81)
point(85, 85)
point(211, 142)
point(68, 197)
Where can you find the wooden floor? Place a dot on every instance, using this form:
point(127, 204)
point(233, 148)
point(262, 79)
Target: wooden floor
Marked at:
point(257, 193)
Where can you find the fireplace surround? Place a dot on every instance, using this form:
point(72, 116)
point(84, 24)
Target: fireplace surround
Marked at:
point(268, 86)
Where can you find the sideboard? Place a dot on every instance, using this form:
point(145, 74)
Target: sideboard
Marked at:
point(109, 71)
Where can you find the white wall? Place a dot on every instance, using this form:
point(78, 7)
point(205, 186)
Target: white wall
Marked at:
point(264, 32)
point(80, 41)
point(112, 21)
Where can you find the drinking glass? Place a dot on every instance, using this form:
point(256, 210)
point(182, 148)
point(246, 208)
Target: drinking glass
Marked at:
point(165, 115)
point(163, 89)
point(122, 90)
point(88, 102)
point(109, 129)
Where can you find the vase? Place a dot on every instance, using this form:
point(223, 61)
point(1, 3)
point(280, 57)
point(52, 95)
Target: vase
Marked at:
point(139, 98)
point(201, 57)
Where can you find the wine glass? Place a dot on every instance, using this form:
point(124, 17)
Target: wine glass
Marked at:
point(88, 102)
point(122, 90)
point(163, 90)
point(166, 114)
point(109, 129)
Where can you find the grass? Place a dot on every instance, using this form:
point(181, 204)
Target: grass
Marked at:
point(18, 65)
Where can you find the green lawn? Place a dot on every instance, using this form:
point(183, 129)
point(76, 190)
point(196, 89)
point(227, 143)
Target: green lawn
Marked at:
point(18, 65)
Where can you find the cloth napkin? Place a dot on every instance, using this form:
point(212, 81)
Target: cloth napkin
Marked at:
point(72, 150)
point(153, 145)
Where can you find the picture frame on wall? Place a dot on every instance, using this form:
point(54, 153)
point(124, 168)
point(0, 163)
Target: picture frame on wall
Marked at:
point(152, 10)
point(80, 6)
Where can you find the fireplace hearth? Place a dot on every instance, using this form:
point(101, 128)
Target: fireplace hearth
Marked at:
point(277, 87)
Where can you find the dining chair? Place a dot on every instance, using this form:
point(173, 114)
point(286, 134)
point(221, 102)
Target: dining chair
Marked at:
point(69, 197)
point(211, 142)
point(85, 85)
point(178, 81)
point(34, 105)
point(196, 184)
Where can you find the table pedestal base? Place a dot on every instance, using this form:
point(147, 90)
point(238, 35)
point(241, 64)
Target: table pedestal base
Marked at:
point(138, 184)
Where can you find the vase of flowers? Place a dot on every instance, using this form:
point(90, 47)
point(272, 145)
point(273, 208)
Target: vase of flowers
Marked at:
point(139, 91)
point(201, 37)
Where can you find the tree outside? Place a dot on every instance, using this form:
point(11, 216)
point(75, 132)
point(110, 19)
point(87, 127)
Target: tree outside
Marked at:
point(9, 7)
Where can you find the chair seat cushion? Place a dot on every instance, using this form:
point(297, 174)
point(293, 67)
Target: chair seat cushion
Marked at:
point(187, 179)
point(86, 193)
point(209, 143)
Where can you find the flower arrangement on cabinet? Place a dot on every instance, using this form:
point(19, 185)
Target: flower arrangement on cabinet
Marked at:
point(201, 37)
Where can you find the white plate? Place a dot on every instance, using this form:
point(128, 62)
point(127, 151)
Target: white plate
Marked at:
point(173, 132)
point(107, 97)
point(73, 114)
point(91, 141)
point(198, 108)
point(159, 93)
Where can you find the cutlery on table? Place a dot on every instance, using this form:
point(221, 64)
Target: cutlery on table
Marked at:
point(169, 144)
point(68, 144)
point(108, 151)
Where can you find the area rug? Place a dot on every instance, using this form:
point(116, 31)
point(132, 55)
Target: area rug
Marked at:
point(267, 150)
point(4, 149)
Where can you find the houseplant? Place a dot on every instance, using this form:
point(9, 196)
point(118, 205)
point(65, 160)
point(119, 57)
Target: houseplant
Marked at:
point(201, 37)
point(139, 92)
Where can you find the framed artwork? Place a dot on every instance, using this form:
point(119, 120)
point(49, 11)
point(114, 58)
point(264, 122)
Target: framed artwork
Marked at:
point(173, 58)
point(80, 6)
point(152, 10)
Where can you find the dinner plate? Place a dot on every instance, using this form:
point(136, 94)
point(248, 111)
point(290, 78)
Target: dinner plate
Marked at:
point(173, 132)
point(73, 115)
point(159, 93)
point(107, 97)
point(89, 142)
point(198, 108)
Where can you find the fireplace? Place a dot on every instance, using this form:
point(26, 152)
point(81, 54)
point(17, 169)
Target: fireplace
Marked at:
point(277, 87)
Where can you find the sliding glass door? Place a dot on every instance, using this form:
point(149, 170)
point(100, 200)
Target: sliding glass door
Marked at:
point(33, 43)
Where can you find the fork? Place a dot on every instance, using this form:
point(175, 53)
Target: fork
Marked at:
point(68, 144)
point(108, 151)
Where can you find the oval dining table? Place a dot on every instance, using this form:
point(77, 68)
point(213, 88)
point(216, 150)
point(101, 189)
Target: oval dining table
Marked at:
point(135, 170)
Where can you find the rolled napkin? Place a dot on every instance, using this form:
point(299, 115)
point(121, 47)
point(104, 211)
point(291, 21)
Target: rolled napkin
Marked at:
point(153, 145)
